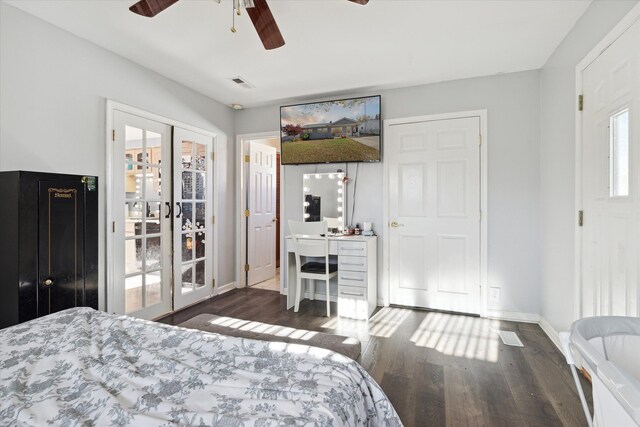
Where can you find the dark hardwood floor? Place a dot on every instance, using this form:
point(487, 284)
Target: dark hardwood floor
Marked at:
point(436, 368)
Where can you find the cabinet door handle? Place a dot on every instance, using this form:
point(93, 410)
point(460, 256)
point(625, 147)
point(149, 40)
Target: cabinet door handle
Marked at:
point(353, 294)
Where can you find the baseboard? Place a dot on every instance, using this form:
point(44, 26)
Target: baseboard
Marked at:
point(551, 333)
point(514, 316)
point(226, 288)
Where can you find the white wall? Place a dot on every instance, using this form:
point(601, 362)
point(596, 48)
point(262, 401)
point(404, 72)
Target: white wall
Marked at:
point(53, 88)
point(512, 101)
point(557, 158)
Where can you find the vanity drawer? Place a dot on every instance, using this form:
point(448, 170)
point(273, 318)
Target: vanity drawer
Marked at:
point(352, 248)
point(352, 292)
point(352, 278)
point(352, 263)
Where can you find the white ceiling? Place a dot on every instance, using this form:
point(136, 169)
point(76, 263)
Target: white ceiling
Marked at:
point(332, 46)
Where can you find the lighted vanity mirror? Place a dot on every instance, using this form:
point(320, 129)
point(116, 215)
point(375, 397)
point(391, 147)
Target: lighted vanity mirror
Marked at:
point(324, 199)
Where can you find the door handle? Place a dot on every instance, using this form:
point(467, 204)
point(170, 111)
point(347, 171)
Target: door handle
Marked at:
point(180, 211)
point(396, 224)
point(168, 215)
point(274, 219)
point(47, 282)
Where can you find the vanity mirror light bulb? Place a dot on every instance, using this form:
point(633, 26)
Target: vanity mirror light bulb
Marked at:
point(339, 199)
point(340, 183)
point(339, 208)
point(306, 189)
point(331, 176)
point(340, 219)
point(306, 204)
point(339, 190)
point(318, 176)
point(307, 215)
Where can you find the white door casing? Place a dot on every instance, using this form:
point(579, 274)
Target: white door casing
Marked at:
point(141, 227)
point(261, 204)
point(434, 203)
point(193, 237)
point(610, 179)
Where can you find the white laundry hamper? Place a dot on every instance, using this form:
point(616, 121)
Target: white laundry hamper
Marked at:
point(609, 348)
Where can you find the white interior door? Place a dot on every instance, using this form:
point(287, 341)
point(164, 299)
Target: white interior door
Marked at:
point(193, 217)
point(611, 180)
point(142, 220)
point(261, 223)
point(434, 213)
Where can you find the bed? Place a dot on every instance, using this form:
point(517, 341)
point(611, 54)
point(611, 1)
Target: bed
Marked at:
point(87, 367)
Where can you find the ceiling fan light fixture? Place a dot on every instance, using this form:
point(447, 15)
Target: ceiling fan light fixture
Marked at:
point(237, 106)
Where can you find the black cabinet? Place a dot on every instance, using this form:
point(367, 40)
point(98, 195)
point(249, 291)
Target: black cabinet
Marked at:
point(48, 244)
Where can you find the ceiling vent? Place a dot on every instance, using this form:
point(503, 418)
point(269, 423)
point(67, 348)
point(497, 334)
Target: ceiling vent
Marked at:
point(242, 82)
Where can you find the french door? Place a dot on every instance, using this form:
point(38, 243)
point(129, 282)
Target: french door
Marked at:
point(193, 220)
point(162, 228)
point(434, 212)
point(611, 180)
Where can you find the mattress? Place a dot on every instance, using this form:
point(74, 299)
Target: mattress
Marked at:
point(86, 367)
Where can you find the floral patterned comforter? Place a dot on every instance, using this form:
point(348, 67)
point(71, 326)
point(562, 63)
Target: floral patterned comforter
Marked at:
point(86, 367)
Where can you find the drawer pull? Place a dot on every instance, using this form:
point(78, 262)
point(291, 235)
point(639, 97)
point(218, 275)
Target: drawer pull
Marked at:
point(352, 279)
point(352, 249)
point(351, 263)
point(354, 294)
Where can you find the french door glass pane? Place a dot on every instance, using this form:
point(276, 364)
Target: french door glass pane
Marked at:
point(187, 154)
point(187, 278)
point(187, 216)
point(153, 288)
point(187, 185)
point(153, 220)
point(133, 293)
point(187, 247)
point(200, 215)
point(201, 157)
point(200, 276)
point(133, 256)
point(200, 186)
point(200, 242)
point(154, 148)
point(154, 253)
point(132, 218)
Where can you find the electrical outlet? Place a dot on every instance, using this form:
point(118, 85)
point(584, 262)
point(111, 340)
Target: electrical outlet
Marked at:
point(494, 294)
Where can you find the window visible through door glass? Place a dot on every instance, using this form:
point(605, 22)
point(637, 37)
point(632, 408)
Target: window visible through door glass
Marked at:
point(619, 154)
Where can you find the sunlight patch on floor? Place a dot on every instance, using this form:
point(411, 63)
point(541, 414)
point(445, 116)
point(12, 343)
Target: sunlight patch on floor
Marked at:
point(263, 328)
point(386, 321)
point(459, 336)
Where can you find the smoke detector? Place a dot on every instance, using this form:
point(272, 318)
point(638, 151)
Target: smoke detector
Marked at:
point(242, 82)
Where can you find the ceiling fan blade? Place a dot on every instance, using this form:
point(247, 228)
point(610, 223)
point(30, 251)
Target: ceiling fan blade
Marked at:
point(363, 2)
point(265, 24)
point(151, 8)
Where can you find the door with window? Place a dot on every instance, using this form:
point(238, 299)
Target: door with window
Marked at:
point(434, 212)
point(142, 219)
point(193, 219)
point(611, 180)
point(163, 217)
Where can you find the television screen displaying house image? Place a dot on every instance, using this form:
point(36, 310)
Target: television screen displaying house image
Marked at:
point(344, 130)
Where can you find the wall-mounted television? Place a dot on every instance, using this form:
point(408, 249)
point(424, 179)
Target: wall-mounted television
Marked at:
point(340, 131)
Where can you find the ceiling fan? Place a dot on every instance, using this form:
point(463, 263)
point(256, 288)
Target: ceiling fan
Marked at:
point(258, 11)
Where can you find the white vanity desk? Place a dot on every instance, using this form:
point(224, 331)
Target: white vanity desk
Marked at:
point(357, 274)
